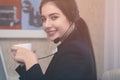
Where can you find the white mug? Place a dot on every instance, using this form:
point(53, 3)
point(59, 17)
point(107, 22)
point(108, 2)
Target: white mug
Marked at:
point(24, 45)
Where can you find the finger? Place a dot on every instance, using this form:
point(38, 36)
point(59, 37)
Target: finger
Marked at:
point(14, 49)
point(13, 56)
point(34, 51)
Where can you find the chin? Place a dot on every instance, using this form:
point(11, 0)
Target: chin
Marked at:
point(52, 38)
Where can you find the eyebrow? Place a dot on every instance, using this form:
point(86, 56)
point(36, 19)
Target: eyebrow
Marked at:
point(51, 14)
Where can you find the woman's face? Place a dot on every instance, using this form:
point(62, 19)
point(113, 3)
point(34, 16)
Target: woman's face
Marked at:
point(55, 23)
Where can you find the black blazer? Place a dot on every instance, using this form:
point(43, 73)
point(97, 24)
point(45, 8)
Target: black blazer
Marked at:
point(73, 61)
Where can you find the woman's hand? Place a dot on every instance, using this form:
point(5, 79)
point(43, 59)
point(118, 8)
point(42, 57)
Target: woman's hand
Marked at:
point(22, 55)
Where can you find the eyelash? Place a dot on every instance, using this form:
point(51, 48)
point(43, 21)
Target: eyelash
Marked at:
point(52, 18)
point(43, 19)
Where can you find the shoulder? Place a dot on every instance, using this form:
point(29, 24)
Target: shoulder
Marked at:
point(74, 45)
point(74, 41)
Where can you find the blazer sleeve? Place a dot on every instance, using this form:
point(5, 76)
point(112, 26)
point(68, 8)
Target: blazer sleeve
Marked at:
point(34, 73)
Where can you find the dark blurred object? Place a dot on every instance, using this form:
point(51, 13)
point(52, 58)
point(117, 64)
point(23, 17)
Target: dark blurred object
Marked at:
point(26, 6)
point(34, 17)
point(8, 16)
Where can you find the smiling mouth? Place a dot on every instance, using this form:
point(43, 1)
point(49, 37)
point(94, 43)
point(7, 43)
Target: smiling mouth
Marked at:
point(51, 33)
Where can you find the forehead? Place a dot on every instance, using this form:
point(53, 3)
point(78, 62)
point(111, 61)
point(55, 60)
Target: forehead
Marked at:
point(49, 8)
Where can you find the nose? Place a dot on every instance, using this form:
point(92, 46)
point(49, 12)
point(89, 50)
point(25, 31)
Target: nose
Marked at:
point(47, 24)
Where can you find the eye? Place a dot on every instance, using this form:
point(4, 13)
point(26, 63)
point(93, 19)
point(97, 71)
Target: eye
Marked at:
point(43, 19)
point(54, 17)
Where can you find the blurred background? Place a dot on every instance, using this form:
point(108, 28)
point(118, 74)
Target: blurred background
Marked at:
point(103, 20)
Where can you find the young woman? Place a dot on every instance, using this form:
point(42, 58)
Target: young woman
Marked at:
point(74, 59)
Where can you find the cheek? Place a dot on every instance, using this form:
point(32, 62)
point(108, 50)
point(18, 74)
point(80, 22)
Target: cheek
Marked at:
point(43, 26)
point(61, 31)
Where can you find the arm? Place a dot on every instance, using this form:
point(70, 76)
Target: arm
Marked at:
point(31, 69)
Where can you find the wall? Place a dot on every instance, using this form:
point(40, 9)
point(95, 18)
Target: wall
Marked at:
point(93, 13)
point(112, 37)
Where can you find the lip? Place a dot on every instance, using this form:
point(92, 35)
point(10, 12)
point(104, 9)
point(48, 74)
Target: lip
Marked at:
point(51, 32)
